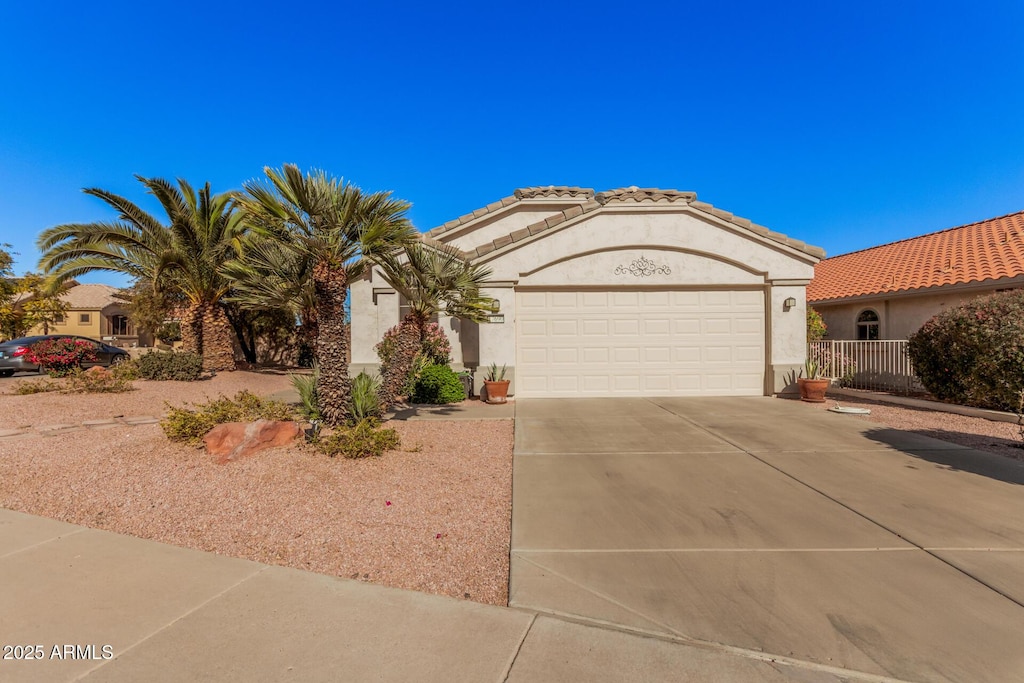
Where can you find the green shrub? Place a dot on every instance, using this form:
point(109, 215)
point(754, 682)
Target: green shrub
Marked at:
point(309, 400)
point(97, 382)
point(816, 328)
point(365, 397)
point(126, 369)
point(973, 354)
point(168, 333)
point(36, 386)
point(62, 356)
point(438, 384)
point(366, 439)
point(182, 366)
point(192, 424)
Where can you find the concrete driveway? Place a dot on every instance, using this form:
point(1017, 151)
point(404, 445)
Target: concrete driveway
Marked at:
point(765, 527)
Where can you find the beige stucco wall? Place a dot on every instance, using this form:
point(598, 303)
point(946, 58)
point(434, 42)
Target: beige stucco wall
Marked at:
point(698, 252)
point(900, 315)
point(72, 325)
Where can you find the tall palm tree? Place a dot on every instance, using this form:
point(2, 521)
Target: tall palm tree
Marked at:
point(184, 255)
point(339, 229)
point(433, 278)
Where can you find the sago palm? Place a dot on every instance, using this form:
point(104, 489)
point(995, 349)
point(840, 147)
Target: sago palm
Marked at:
point(185, 255)
point(433, 278)
point(340, 229)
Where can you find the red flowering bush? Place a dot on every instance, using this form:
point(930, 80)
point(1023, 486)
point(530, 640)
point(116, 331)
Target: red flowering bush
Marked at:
point(61, 357)
point(973, 353)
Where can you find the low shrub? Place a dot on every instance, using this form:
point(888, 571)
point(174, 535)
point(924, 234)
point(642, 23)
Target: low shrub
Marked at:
point(97, 381)
point(190, 425)
point(36, 386)
point(438, 384)
point(126, 369)
point(60, 357)
point(365, 397)
point(363, 440)
point(973, 353)
point(181, 366)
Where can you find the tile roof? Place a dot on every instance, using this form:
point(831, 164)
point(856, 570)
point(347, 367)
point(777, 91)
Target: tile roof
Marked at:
point(90, 296)
point(549, 192)
point(645, 196)
point(987, 250)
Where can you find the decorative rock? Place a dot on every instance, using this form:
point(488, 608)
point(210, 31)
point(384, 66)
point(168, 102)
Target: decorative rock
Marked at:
point(235, 440)
point(97, 370)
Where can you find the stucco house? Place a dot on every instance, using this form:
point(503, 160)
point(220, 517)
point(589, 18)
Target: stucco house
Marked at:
point(889, 291)
point(94, 312)
point(630, 292)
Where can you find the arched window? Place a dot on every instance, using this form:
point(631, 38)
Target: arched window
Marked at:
point(867, 325)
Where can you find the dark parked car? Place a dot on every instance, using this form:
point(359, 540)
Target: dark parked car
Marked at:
point(12, 353)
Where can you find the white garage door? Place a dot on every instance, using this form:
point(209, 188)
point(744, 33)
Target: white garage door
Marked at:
point(640, 343)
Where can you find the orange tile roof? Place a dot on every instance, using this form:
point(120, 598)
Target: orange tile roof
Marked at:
point(987, 250)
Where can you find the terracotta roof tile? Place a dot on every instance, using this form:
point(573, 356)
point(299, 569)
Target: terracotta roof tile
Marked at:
point(555, 191)
point(987, 250)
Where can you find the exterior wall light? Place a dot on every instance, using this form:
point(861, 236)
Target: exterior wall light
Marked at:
point(789, 303)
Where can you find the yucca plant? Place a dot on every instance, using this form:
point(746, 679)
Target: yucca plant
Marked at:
point(365, 397)
point(309, 402)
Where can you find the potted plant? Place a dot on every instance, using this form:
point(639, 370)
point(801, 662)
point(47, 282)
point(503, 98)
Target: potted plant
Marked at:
point(495, 384)
point(813, 386)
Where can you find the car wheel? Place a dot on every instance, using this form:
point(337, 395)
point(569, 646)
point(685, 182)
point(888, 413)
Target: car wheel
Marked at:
point(118, 359)
point(6, 373)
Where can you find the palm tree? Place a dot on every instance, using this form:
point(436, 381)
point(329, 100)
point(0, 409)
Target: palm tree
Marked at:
point(269, 275)
point(339, 229)
point(184, 256)
point(432, 277)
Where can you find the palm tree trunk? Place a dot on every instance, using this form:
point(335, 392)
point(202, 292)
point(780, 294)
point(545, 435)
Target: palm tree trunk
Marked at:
point(334, 387)
point(218, 343)
point(192, 329)
point(396, 373)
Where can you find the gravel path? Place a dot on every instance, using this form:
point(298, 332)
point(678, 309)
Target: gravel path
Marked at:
point(433, 516)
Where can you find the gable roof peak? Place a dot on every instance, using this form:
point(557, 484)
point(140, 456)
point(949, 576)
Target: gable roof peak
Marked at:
point(553, 191)
point(647, 194)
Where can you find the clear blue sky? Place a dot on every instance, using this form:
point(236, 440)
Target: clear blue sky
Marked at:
point(842, 124)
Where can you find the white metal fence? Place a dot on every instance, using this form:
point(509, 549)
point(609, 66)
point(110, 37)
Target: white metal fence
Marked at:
point(880, 365)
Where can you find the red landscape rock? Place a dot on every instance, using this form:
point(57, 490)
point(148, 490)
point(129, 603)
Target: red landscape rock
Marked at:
point(234, 440)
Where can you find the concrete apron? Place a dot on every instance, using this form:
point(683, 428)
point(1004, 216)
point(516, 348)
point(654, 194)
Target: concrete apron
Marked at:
point(771, 527)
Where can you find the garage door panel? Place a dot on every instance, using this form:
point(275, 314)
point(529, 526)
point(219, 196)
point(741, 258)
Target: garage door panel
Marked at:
point(641, 342)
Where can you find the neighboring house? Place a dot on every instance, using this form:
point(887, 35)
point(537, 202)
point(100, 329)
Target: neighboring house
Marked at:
point(889, 291)
point(631, 292)
point(94, 312)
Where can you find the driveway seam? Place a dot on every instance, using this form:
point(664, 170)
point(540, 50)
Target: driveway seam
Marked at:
point(515, 655)
point(678, 637)
point(842, 504)
point(41, 543)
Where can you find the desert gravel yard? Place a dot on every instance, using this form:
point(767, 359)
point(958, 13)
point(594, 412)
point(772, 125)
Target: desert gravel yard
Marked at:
point(1000, 438)
point(433, 516)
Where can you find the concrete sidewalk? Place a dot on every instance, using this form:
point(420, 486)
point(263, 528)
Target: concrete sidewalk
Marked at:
point(96, 606)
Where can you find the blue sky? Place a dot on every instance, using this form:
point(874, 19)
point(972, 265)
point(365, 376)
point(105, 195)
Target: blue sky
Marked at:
point(842, 124)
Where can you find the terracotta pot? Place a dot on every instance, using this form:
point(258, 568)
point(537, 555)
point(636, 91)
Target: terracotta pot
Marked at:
point(497, 392)
point(813, 390)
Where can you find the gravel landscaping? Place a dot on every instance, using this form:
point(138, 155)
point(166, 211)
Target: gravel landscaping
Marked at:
point(974, 432)
point(433, 516)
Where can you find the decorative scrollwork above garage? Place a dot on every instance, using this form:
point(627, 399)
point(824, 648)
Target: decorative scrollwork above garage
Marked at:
point(643, 267)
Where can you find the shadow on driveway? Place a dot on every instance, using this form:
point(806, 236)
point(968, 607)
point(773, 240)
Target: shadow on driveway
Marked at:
point(990, 465)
